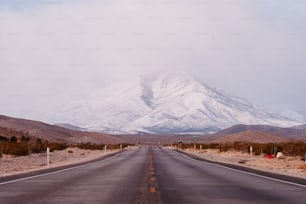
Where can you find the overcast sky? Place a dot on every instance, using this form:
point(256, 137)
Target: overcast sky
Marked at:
point(53, 51)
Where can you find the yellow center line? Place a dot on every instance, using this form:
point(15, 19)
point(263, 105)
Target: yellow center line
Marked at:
point(153, 190)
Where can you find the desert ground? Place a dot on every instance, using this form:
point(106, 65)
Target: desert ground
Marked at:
point(290, 166)
point(10, 165)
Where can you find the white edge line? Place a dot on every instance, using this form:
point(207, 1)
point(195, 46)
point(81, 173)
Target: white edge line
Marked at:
point(56, 172)
point(245, 172)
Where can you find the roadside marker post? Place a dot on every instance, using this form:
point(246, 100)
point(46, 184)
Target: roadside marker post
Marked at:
point(121, 147)
point(251, 152)
point(48, 156)
point(201, 147)
point(194, 147)
point(105, 148)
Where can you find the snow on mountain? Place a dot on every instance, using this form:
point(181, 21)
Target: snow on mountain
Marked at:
point(285, 111)
point(171, 103)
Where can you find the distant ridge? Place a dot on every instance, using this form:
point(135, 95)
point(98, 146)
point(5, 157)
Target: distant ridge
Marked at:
point(54, 133)
point(300, 127)
point(70, 127)
point(289, 133)
point(251, 137)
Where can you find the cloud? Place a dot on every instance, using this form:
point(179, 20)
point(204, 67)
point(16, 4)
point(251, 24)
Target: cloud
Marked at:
point(52, 51)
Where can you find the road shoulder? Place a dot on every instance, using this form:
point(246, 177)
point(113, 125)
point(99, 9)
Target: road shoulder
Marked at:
point(285, 178)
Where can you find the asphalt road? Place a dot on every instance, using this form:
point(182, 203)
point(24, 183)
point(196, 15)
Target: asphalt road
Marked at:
point(149, 175)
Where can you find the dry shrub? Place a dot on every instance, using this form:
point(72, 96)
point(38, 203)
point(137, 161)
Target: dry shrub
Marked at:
point(91, 146)
point(16, 149)
point(100, 146)
point(26, 145)
point(293, 148)
point(57, 146)
point(37, 148)
point(302, 167)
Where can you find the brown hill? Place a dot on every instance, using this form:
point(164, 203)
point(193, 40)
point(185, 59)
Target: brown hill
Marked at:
point(290, 133)
point(251, 137)
point(54, 133)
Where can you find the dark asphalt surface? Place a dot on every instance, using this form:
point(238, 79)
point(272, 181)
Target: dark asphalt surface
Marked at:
point(149, 175)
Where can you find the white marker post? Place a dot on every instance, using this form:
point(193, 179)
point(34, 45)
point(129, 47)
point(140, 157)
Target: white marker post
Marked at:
point(105, 148)
point(194, 148)
point(48, 156)
point(201, 148)
point(251, 152)
point(121, 147)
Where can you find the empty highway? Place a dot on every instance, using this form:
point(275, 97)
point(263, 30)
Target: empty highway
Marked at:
point(148, 175)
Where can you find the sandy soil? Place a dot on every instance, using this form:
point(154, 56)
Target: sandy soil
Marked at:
point(291, 166)
point(10, 165)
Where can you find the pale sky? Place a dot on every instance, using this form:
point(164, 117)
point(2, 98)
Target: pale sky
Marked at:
point(52, 51)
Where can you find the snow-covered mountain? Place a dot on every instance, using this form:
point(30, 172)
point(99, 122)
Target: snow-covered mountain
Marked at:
point(171, 103)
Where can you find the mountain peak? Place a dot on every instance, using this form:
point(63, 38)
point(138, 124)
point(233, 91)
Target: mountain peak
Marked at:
point(169, 103)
